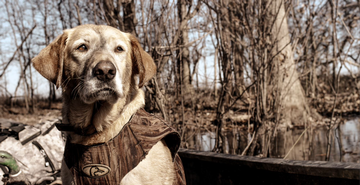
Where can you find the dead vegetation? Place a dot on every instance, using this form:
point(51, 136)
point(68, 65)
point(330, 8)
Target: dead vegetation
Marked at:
point(17, 111)
point(222, 64)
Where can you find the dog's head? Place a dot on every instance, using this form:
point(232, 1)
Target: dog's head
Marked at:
point(95, 63)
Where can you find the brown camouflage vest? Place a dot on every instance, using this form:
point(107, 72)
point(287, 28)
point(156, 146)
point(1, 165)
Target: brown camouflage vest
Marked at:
point(109, 162)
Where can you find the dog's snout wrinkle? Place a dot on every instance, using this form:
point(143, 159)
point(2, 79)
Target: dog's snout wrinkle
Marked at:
point(104, 71)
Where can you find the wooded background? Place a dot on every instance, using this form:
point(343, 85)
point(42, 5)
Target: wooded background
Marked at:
point(272, 60)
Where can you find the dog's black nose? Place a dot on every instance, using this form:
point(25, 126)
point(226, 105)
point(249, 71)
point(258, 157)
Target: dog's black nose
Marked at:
point(104, 71)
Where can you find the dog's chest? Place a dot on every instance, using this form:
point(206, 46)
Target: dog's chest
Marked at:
point(108, 163)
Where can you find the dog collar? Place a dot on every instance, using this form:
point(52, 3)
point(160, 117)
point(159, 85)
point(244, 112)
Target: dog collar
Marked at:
point(88, 131)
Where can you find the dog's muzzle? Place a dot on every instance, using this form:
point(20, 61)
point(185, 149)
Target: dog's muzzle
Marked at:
point(104, 71)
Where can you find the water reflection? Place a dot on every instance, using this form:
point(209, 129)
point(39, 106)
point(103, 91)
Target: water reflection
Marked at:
point(311, 146)
point(207, 141)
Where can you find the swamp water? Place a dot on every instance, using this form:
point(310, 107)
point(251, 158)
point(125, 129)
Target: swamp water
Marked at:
point(312, 144)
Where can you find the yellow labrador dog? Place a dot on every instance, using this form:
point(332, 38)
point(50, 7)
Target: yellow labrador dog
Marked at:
point(101, 71)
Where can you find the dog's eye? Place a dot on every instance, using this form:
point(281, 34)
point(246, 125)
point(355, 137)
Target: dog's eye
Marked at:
point(119, 49)
point(82, 48)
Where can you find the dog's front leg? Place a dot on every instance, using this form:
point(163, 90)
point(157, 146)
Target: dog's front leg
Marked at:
point(66, 176)
point(156, 168)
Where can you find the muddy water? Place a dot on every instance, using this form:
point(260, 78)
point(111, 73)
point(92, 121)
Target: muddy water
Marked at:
point(312, 144)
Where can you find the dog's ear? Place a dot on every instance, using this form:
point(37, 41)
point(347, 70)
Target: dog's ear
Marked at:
point(143, 64)
point(49, 62)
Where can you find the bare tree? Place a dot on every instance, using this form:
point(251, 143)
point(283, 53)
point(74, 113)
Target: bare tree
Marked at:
point(270, 58)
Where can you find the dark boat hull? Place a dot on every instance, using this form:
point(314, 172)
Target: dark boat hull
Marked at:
point(213, 168)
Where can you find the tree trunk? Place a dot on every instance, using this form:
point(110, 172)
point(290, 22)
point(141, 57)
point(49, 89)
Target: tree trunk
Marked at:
point(183, 52)
point(129, 16)
point(225, 56)
point(291, 103)
point(237, 49)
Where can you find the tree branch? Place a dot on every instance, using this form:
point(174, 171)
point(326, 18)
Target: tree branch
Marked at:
point(17, 49)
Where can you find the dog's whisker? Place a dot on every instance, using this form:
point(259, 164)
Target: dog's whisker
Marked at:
point(74, 91)
point(68, 79)
point(65, 82)
point(77, 89)
point(81, 89)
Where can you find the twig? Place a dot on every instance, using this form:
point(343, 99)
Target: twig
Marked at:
point(239, 97)
point(183, 46)
point(248, 146)
point(347, 29)
point(339, 139)
point(335, 86)
point(157, 100)
point(17, 49)
point(78, 13)
point(295, 143)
